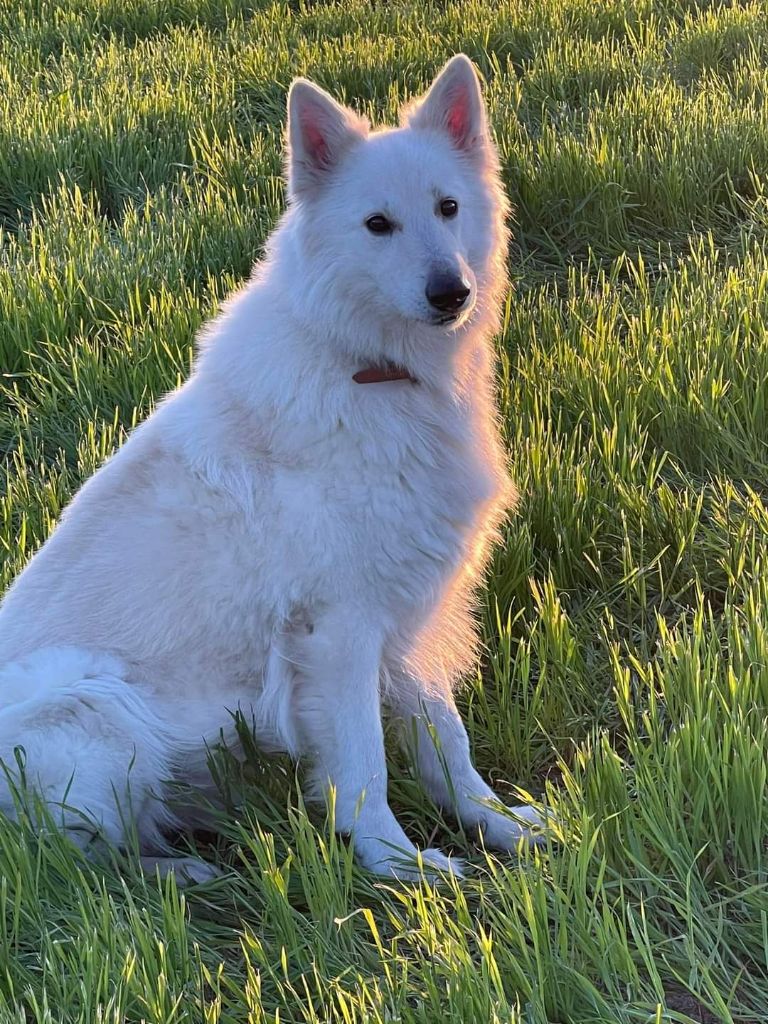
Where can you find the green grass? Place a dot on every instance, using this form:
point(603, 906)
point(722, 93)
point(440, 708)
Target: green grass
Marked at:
point(626, 622)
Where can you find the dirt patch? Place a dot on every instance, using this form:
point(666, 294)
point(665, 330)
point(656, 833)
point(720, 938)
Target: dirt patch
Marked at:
point(681, 1001)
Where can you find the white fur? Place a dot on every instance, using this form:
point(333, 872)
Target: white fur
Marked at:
point(277, 538)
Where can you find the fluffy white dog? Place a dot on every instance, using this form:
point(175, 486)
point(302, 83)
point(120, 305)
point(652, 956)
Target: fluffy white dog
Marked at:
point(297, 532)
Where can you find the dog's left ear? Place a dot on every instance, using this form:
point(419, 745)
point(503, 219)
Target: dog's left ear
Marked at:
point(454, 105)
point(320, 132)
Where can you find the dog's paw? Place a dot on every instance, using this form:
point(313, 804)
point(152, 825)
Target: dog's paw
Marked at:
point(409, 865)
point(431, 864)
point(187, 870)
point(504, 829)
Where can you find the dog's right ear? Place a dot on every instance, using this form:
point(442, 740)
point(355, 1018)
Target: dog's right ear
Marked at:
point(454, 106)
point(320, 132)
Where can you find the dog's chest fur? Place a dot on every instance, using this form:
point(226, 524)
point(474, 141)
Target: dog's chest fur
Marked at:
point(397, 494)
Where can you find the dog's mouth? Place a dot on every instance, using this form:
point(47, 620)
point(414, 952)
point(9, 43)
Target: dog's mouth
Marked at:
point(448, 319)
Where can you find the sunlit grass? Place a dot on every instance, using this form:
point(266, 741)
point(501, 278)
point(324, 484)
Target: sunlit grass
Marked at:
point(625, 679)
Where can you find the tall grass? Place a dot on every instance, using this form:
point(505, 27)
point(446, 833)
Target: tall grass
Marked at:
point(625, 680)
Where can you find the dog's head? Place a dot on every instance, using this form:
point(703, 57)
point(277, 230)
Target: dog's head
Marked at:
point(403, 227)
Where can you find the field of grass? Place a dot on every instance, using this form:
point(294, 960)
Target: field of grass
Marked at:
point(626, 674)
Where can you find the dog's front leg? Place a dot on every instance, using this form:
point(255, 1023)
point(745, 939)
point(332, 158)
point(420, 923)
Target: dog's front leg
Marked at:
point(338, 711)
point(433, 725)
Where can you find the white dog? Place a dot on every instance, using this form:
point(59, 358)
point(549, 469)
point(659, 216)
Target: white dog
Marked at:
point(299, 530)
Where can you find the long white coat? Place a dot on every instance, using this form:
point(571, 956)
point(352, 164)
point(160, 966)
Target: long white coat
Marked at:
point(278, 538)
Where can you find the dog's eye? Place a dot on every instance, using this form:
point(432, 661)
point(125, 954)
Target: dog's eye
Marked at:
point(379, 225)
point(449, 207)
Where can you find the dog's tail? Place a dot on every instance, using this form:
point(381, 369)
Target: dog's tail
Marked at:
point(76, 736)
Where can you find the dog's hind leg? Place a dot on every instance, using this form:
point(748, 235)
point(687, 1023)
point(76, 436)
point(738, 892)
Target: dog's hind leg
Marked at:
point(433, 726)
point(76, 736)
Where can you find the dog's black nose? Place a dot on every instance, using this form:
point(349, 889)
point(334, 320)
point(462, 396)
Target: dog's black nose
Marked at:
point(447, 292)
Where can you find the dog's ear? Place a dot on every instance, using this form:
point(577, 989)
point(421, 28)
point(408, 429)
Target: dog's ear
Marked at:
point(320, 131)
point(454, 105)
